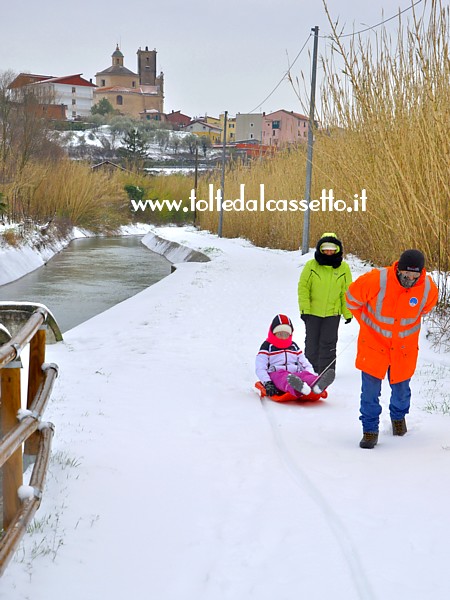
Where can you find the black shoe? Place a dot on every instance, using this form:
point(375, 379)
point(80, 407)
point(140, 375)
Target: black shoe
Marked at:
point(324, 381)
point(399, 427)
point(369, 440)
point(295, 382)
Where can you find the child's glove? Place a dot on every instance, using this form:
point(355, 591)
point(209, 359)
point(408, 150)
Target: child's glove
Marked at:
point(271, 390)
point(347, 321)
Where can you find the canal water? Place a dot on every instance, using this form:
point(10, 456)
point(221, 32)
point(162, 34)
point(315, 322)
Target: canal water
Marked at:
point(88, 277)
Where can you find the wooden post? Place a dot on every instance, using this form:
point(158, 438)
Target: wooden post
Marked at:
point(13, 468)
point(35, 378)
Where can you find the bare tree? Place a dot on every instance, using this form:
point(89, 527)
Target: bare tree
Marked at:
point(6, 77)
point(30, 125)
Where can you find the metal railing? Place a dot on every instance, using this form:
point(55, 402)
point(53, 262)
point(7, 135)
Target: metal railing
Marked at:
point(23, 431)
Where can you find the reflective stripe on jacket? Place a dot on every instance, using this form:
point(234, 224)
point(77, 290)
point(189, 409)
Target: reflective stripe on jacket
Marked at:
point(389, 316)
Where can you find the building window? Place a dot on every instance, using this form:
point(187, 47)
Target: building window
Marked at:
point(74, 113)
point(251, 124)
point(74, 101)
point(251, 136)
point(133, 84)
point(74, 90)
point(103, 82)
point(119, 100)
point(275, 124)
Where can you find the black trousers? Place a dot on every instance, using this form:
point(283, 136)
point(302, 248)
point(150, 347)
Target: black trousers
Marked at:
point(321, 340)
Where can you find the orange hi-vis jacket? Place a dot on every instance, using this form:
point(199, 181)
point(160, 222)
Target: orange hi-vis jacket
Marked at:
point(389, 316)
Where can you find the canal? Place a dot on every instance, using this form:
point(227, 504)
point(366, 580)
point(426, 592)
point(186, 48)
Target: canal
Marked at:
point(88, 277)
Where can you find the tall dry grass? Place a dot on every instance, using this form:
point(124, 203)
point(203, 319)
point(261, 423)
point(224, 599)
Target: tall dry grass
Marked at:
point(72, 192)
point(66, 190)
point(385, 127)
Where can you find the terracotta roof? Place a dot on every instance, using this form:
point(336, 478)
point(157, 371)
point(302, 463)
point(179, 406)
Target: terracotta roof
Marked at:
point(68, 80)
point(288, 112)
point(205, 124)
point(27, 78)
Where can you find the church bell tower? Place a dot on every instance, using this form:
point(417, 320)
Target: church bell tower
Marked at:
point(147, 66)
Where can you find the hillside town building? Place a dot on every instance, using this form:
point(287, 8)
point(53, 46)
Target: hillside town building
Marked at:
point(133, 94)
point(284, 127)
point(69, 97)
point(248, 127)
point(204, 129)
point(178, 119)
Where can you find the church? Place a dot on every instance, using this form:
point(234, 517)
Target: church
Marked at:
point(139, 95)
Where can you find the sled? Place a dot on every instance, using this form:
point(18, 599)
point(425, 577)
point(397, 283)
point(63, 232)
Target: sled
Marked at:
point(287, 397)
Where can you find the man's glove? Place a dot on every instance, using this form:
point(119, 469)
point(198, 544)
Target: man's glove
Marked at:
point(271, 390)
point(303, 317)
point(347, 321)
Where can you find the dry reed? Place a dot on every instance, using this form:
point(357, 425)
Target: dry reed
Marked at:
point(385, 128)
point(67, 190)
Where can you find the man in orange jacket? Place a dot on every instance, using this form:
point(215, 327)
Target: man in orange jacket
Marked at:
point(388, 304)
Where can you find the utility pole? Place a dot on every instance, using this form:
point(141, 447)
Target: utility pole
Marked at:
point(306, 220)
point(222, 183)
point(195, 180)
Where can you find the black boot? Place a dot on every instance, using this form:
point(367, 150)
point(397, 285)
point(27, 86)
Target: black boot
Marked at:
point(399, 427)
point(369, 440)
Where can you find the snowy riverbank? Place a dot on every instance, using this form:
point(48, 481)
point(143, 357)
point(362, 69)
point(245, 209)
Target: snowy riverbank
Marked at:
point(171, 480)
point(17, 261)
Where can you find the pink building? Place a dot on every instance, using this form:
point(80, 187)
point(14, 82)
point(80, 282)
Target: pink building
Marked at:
point(283, 127)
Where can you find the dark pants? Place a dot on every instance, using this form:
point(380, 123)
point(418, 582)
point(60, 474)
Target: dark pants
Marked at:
point(321, 340)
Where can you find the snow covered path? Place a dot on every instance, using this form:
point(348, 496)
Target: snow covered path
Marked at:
point(171, 480)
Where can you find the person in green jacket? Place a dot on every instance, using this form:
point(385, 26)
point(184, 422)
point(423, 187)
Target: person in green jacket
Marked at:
point(323, 283)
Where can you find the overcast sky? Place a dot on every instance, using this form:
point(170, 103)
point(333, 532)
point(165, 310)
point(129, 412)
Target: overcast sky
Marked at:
point(215, 56)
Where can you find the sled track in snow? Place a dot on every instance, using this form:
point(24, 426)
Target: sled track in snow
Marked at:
point(339, 531)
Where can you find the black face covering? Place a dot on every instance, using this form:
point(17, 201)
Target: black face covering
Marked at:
point(405, 281)
point(329, 260)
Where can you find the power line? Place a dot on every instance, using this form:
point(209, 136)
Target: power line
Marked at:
point(284, 76)
point(377, 25)
point(330, 36)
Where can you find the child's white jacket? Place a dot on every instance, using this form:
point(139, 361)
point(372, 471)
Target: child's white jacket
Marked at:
point(270, 358)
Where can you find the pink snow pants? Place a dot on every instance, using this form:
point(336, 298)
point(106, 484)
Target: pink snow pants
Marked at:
point(279, 378)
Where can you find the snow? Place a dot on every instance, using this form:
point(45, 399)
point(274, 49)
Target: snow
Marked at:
point(171, 480)
point(17, 261)
point(104, 137)
point(25, 492)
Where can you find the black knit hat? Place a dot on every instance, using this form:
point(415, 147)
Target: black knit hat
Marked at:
point(411, 260)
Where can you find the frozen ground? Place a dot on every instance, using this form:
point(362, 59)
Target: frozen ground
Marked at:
point(171, 480)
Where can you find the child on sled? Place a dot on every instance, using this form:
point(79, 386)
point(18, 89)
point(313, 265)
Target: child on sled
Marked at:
point(282, 367)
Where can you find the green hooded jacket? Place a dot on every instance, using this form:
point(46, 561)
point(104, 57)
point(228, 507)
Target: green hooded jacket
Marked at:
point(321, 289)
